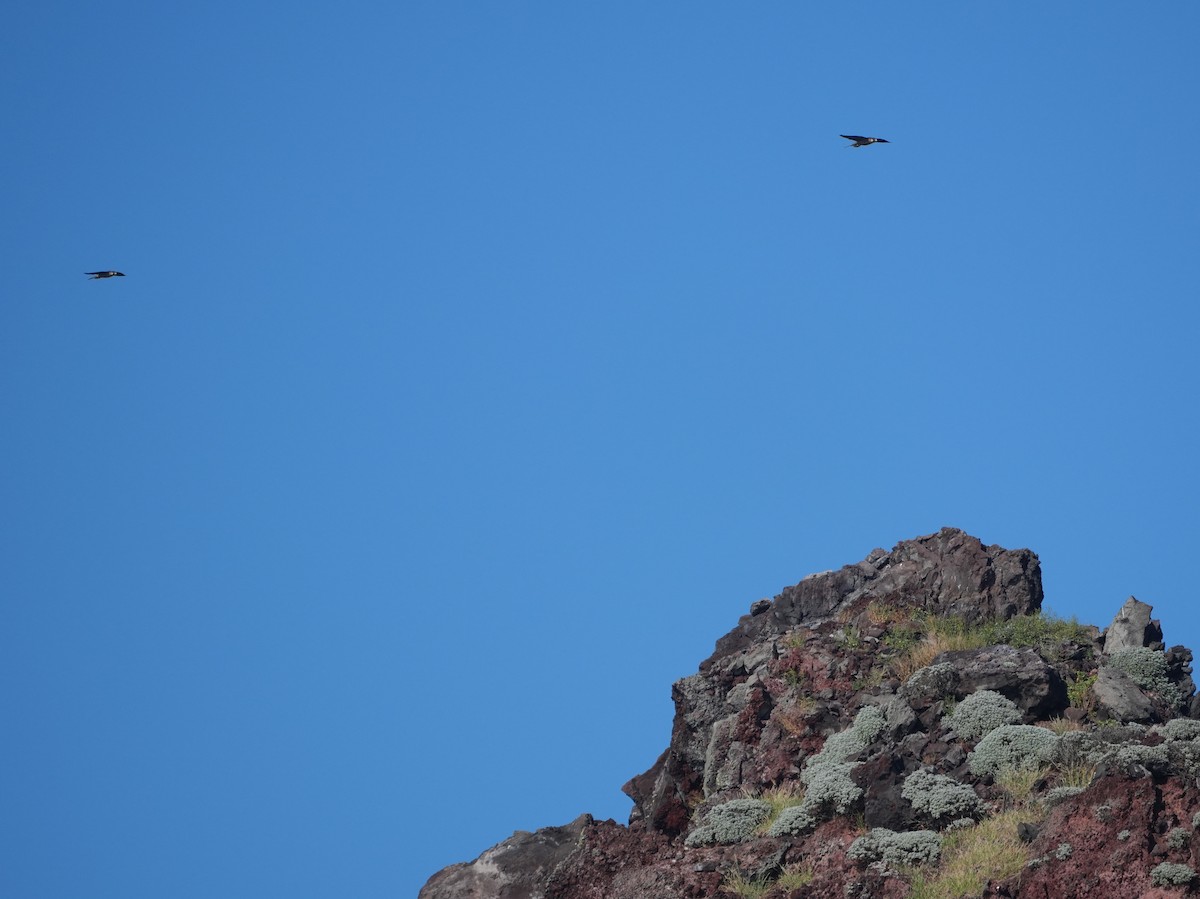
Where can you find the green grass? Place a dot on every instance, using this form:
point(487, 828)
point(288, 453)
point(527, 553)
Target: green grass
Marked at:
point(918, 640)
point(748, 887)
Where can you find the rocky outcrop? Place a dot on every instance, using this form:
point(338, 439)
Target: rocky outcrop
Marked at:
point(1132, 628)
point(947, 573)
point(821, 751)
point(715, 742)
point(518, 868)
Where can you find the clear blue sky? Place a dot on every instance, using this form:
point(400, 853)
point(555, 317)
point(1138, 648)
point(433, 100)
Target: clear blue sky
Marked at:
point(477, 365)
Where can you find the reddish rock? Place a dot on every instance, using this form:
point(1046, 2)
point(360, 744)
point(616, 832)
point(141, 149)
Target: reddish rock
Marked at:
point(1100, 862)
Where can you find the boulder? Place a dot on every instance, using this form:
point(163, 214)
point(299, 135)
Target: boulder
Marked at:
point(1020, 674)
point(1119, 698)
point(1132, 628)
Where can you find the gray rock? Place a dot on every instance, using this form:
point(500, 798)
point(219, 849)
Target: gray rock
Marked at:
point(947, 573)
point(1132, 628)
point(898, 714)
point(1020, 674)
point(931, 683)
point(518, 868)
point(1119, 698)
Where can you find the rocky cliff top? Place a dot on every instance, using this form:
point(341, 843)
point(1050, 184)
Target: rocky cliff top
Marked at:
point(910, 725)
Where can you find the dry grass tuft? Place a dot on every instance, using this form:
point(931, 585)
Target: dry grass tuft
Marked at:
point(1077, 774)
point(1018, 783)
point(796, 876)
point(972, 856)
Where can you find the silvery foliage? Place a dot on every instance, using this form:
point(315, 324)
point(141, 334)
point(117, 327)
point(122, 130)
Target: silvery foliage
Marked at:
point(1148, 668)
point(730, 822)
point(939, 796)
point(981, 713)
point(1016, 746)
point(1170, 874)
point(868, 726)
point(896, 848)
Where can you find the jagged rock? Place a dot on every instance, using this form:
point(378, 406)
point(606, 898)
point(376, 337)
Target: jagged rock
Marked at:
point(807, 693)
point(1133, 628)
point(947, 573)
point(881, 778)
point(518, 868)
point(1020, 674)
point(1119, 698)
point(1027, 832)
point(1179, 669)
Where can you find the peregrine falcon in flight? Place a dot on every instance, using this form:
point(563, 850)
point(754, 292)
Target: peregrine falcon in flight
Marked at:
point(95, 275)
point(860, 141)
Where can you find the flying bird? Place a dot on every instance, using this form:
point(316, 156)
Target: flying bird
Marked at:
point(860, 141)
point(95, 275)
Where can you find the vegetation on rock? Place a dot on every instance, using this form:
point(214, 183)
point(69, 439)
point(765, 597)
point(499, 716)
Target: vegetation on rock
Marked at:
point(991, 748)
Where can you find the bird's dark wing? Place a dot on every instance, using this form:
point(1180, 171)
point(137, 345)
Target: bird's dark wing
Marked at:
point(852, 137)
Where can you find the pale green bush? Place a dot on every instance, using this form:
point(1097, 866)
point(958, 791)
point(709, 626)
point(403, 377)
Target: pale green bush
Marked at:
point(981, 713)
point(1169, 874)
point(1148, 668)
point(894, 848)
point(1015, 746)
point(939, 796)
point(868, 725)
point(730, 822)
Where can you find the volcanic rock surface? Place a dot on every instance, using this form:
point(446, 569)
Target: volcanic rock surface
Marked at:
point(790, 771)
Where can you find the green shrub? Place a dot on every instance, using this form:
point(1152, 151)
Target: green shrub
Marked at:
point(1041, 631)
point(1168, 874)
point(981, 713)
point(1138, 755)
point(940, 797)
point(1178, 837)
point(1014, 746)
point(830, 792)
point(730, 822)
point(913, 847)
point(827, 776)
point(1061, 794)
point(1077, 690)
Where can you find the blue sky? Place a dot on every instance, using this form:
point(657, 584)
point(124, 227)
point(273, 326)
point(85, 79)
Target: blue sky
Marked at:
point(477, 365)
